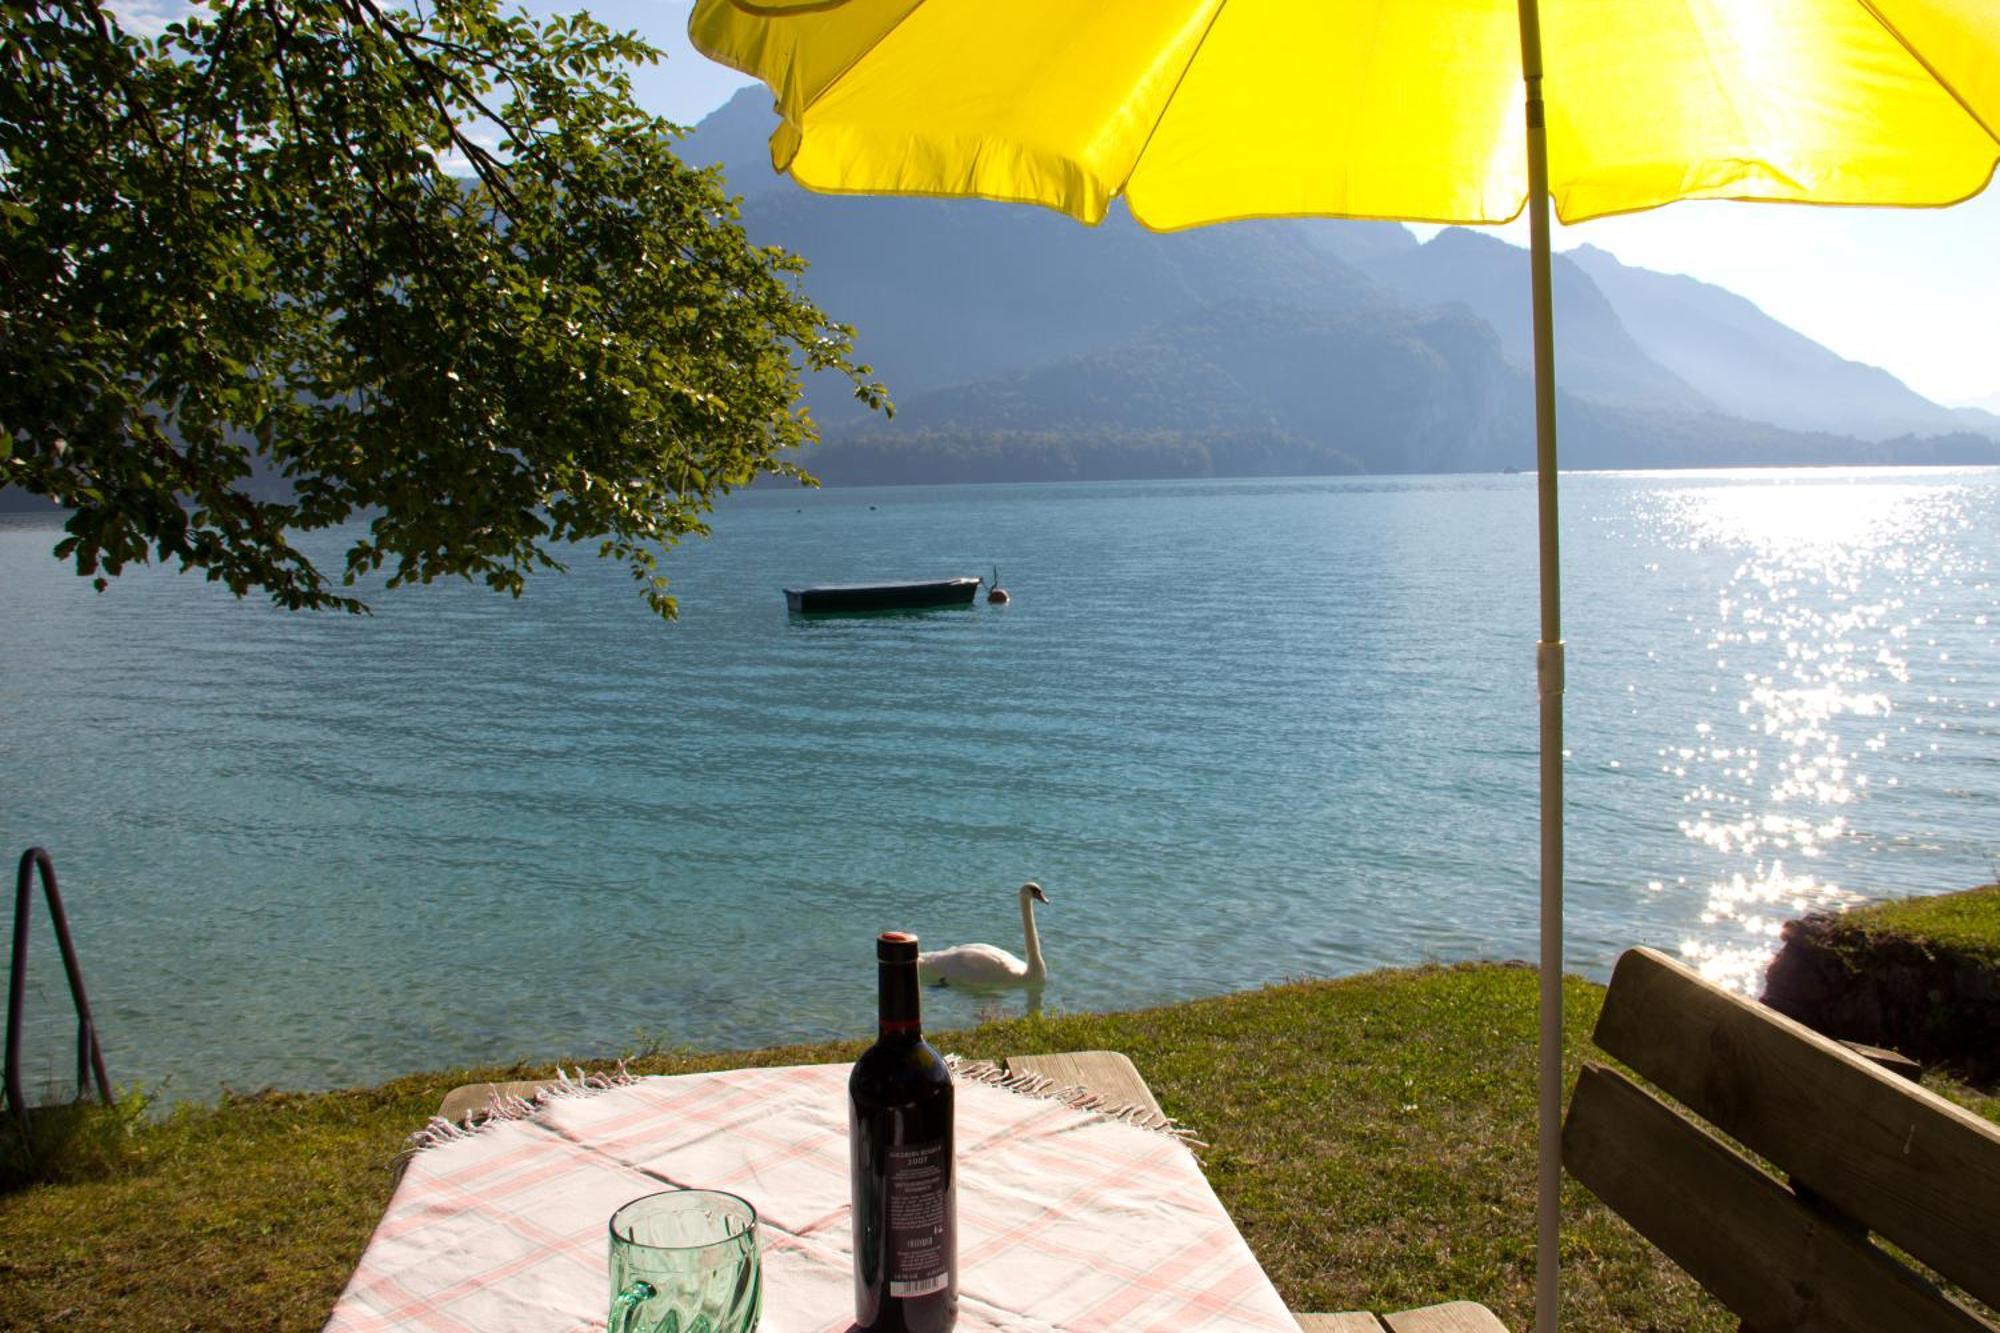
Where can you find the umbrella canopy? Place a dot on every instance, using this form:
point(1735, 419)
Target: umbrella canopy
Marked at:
point(1468, 111)
point(1201, 111)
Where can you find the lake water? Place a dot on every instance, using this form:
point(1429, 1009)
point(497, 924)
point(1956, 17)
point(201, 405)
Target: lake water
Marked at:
point(1240, 731)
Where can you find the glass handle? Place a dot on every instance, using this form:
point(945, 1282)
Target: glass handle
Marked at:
point(624, 1307)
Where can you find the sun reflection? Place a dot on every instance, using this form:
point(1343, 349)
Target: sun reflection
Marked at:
point(1814, 625)
point(1786, 525)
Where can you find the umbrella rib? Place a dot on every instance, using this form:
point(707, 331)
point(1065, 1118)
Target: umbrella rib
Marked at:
point(1168, 100)
point(1931, 70)
point(755, 10)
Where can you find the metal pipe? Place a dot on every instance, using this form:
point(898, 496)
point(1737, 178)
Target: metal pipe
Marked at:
point(17, 980)
point(89, 1053)
point(1549, 683)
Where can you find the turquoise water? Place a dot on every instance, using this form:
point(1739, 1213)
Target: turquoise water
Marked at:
point(1240, 731)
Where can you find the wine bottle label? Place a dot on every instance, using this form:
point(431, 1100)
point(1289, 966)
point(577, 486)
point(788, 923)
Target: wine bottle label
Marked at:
point(919, 1225)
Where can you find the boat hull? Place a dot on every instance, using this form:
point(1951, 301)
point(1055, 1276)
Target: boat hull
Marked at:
point(833, 598)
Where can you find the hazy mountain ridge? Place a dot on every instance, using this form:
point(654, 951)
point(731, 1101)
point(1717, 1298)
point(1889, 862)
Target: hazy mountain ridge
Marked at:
point(1019, 344)
point(1749, 364)
point(1596, 356)
point(1223, 385)
point(945, 293)
point(1244, 390)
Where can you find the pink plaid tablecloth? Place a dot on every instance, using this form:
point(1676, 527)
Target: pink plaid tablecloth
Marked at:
point(1066, 1219)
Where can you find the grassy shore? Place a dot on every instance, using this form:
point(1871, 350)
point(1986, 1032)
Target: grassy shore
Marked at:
point(1965, 923)
point(1373, 1137)
point(1918, 975)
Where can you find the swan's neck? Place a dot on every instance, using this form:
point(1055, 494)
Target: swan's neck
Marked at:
point(1036, 969)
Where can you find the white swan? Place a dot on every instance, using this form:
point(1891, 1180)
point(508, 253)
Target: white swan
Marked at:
point(985, 965)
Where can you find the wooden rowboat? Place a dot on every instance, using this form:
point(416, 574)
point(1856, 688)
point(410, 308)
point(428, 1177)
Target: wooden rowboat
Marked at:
point(915, 596)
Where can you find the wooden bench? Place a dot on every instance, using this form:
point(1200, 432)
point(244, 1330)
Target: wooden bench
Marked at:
point(1866, 1151)
point(1112, 1076)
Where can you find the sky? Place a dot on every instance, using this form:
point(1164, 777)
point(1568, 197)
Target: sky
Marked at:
point(1916, 291)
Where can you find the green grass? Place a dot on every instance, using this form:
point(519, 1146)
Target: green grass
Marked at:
point(1966, 923)
point(1373, 1137)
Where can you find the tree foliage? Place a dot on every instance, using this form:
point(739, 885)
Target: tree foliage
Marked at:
point(296, 262)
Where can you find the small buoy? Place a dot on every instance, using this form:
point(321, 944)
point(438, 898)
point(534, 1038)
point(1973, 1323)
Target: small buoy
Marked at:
point(997, 595)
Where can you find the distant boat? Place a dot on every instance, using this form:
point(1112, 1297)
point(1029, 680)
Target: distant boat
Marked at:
point(917, 596)
point(1510, 471)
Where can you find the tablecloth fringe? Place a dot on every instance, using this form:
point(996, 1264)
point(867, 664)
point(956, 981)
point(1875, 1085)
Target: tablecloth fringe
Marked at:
point(580, 1083)
point(1072, 1095)
point(502, 1106)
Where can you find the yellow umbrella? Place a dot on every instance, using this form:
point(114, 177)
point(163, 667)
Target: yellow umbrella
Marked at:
point(1202, 111)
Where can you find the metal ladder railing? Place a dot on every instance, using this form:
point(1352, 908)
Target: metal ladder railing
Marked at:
point(89, 1055)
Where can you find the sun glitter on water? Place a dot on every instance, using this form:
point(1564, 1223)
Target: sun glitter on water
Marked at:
point(1815, 628)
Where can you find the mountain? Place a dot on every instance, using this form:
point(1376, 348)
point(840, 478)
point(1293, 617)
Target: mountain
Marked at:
point(1357, 243)
point(948, 292)
point(1014, 333)
point(1981, 415)
point(1596, 356)
point(14, 500)
point(1267, 389)
point(1236, 388)
point(945, 293)
point(736, 136)
point(1749, 364)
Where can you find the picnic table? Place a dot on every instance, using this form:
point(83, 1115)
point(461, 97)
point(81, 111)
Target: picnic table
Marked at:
point(1079, 1207)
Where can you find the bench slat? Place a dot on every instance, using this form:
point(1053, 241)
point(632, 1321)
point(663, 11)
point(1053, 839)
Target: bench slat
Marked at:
point(1922, 1172)
point(1734, 1229)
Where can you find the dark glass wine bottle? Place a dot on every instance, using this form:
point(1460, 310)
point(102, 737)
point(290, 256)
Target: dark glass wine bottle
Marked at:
point(905, 1181)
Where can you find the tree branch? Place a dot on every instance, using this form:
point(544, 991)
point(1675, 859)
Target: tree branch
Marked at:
point(487, 167)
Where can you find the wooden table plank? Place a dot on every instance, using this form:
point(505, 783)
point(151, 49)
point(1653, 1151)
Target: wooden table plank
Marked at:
point(1451, 1317)
point(1110, 1074)
point(1354, 1321)
point(477, 1097)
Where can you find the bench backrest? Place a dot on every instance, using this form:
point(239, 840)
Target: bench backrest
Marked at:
point(1865, 1150)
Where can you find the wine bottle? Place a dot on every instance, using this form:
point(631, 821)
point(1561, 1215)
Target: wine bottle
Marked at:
point(904, 1179)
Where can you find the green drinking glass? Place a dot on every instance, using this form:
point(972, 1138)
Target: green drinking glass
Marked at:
point(685, 1262)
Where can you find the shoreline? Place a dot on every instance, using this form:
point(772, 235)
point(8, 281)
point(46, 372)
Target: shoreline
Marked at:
point(1816, 975)
point(1811, 944)
point(1400, 1102)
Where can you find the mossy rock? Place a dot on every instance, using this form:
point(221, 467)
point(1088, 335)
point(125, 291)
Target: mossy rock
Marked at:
point(1918, 975)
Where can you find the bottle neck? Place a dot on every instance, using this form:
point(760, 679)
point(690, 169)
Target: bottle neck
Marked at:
point(902, 1014)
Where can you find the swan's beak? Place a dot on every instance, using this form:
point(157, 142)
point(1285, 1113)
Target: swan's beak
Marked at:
point(1035, 892)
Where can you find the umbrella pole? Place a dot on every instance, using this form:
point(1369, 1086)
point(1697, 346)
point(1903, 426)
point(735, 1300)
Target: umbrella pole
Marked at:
point(1549, 680)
